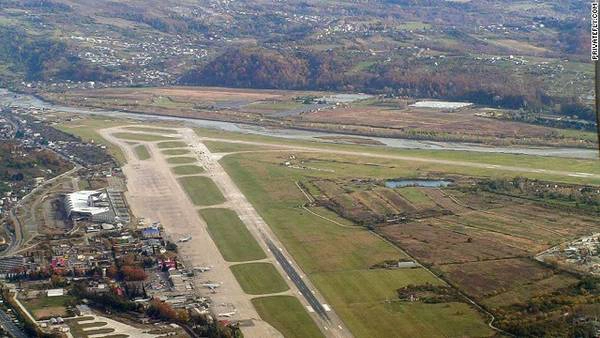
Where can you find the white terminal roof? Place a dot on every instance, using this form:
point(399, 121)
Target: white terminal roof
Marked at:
point(82, 202)
point(441, 104)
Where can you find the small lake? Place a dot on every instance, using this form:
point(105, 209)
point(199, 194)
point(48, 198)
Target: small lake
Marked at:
point(417, 183)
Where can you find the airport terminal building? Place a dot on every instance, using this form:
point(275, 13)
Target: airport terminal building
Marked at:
point(97, 205)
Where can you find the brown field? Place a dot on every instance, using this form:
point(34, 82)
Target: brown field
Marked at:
point(484, 279)
point(436, 243)
point(522, 293)
point(459, 121)
point(486, 244)
point(183, 94)
point(49, 312)
point(480, 242)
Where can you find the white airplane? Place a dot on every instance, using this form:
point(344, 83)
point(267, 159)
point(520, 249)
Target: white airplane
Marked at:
point(226, 314)
point(184, 239)
point(211, 286)
point(202, 268)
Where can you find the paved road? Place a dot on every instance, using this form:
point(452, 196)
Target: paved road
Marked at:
point(7, 323)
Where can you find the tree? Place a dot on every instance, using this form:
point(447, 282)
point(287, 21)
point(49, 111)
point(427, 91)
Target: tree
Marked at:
point(161, 310)
point(132, 273)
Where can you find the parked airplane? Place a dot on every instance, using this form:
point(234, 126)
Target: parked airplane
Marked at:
point(226, 314)
point(211, 286)
point(184, 239)
point(202, 268)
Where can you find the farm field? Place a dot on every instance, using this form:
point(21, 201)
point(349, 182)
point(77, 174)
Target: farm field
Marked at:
point(259, 278)
point(201, 190)
point(287, 315)
point(187, 170)
point(141, 152)
point(233, 239)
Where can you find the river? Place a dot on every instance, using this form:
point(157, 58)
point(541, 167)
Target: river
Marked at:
point(26, 101)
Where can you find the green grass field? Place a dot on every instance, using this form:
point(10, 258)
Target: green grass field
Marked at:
point(153, 130)
point(141, 137)
point(187, 170)
point(87, 129)
point(181, 160)
point(416, 197)
point(259, 278)
point(228, 147)
point(172, 152)
point(339, 259)
point(44, 307)
point(524, 161)
point(233, 239)
point(201, 190)
point(141, 152)
point(287, 315)
point(171, 144)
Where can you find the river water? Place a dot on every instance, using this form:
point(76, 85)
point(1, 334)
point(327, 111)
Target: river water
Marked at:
point(27, 101)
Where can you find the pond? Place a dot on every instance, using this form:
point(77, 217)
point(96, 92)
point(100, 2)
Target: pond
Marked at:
point(417, 183)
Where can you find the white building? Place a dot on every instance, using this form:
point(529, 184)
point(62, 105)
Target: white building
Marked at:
point(91, 204)
point(55, 292)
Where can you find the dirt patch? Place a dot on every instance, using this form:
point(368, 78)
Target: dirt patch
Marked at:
point(49, 312)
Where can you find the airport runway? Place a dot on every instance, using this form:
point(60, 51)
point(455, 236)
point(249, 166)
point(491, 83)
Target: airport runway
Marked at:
point(330, 324)
point(293, 275)
point(155, 194)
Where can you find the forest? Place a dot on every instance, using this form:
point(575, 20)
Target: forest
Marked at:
point(41, 58)
point(328, 70)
